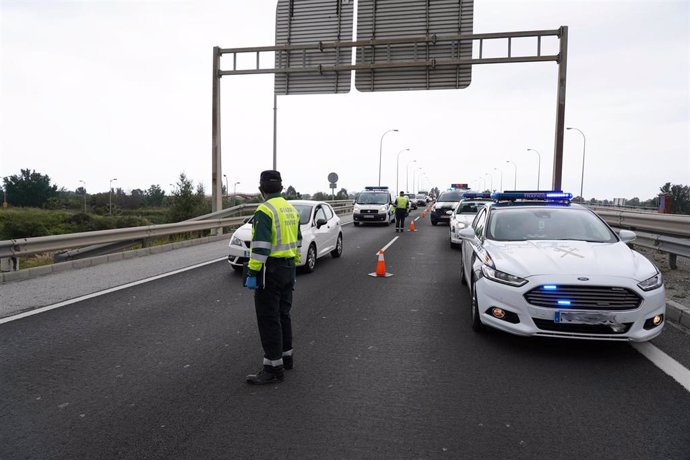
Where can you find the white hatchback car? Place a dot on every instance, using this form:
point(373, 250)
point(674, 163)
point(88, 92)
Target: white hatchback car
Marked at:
point(321, 235)
point(464, 213)
point(538, 265)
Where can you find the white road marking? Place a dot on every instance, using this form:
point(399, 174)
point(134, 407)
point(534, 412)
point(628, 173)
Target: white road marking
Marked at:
point(389, 244)
point(106, 291)
point(664, 362)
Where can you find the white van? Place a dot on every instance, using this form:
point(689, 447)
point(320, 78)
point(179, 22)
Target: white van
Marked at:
point(374, 205)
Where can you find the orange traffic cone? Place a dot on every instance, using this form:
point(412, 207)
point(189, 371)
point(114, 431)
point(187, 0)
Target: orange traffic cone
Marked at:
point(380, 267)
point(412, 226)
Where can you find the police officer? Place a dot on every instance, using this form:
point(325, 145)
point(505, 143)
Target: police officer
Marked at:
point(401, 205)
point(275, 250)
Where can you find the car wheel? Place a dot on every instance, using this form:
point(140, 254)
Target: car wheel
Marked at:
point(237, 268)
point(453, 245)
point(433, 222)
point(356, 224)
point(477, 325)
point(338, 251)
point(311, 259)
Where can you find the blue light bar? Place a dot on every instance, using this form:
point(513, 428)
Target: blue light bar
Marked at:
point(376, 187)
point(550, 287)
point(543, 195)
point(470, 195)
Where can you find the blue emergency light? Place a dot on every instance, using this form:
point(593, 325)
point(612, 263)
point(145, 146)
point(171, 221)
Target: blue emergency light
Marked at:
point(470, 195)
point(380, 188)
point(542, 195)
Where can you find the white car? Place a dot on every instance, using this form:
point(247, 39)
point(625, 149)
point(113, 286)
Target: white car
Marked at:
point(463, 215)
point(321, 235)
point(538, 265)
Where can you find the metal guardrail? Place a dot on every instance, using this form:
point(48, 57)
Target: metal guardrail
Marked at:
point(14, 249)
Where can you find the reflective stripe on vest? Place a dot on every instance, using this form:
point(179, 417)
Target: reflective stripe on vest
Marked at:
point(280, 248)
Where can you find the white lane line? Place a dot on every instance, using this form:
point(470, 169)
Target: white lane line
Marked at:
point(664, 362)
point(389, 244)
point(106, 291)
point(417, 218)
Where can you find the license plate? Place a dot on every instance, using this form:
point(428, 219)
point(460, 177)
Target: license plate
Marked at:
point(368, 216)
point(583, 317)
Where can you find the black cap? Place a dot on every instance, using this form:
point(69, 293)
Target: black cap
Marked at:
point(270, 176)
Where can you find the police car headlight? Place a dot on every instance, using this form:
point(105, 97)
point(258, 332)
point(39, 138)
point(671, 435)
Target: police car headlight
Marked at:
point(382, 209)
point(461, 225)
point(355, 208)
point(655, 282)
point(236, 241)
point(502, 277)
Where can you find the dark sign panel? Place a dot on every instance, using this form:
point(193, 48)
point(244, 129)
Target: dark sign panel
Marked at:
point(300, 22)
point(389, 19)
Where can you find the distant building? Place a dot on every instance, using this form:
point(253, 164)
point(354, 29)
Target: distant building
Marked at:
point(619, 201)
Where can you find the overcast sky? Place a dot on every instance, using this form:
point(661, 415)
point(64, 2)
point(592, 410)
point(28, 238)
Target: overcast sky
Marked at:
point(98, 89)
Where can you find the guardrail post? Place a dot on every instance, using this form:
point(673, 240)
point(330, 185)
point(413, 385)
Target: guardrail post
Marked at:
point(672, 261)
point(9, 264)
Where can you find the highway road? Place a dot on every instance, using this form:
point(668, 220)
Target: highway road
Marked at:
point(384, 368)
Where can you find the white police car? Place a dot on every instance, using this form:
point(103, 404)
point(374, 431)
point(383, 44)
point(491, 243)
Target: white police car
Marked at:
point(538, 265)
point(464, 213)
point(321, 235)
point(373, 205)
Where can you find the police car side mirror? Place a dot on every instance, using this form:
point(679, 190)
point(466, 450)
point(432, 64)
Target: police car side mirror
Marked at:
point(247, 219)
point(466, 233)
point(321, 222)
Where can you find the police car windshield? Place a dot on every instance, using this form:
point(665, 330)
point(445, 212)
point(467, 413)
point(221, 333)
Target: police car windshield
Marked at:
point(304, 213)
point(372, 198)
point(548, 223)
point(450, 196)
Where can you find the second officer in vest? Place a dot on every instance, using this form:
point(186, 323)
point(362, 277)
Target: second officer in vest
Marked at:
point(275, 251)
point(402, 203)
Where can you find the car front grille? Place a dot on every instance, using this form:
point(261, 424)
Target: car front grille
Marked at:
point(369, 211)
point(584, 298)
point(546, 325)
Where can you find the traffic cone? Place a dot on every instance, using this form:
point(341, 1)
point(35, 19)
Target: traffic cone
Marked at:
point(412, 226)
point(380, 267)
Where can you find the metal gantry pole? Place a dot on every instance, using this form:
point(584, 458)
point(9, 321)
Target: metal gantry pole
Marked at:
point(560, 108)
point(216, 179)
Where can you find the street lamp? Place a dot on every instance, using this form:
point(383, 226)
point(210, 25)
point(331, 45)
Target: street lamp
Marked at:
point(407, 176)
point(515, 181)
point(582, 177)
point(492, 181)
point(501, 171)
point(381, 150)
point(234, 193)
point(397, 168)
point(84, 194)
point(110, 199)
point(538, 166)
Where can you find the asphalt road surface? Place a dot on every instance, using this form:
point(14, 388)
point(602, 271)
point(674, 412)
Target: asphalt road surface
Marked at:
point(384, 368)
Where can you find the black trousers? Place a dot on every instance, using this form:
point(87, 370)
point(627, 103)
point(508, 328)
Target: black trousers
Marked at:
point(273, 303)
point(400, 218)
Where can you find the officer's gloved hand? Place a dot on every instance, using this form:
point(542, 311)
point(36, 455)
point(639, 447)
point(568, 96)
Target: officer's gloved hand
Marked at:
point(251, 282)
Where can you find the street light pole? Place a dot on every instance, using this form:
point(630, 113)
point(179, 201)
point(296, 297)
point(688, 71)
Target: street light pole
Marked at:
point(515, 181)
point(397, 169)
point(501, 171)
point(234, 193)
point(538, 166)
point(84, 194)
point(110, 200)
point(407, 177)
point(582, 176)
point(381, 151)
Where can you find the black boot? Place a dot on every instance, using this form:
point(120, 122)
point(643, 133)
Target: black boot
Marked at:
point(287, 362)
point(267, 375)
